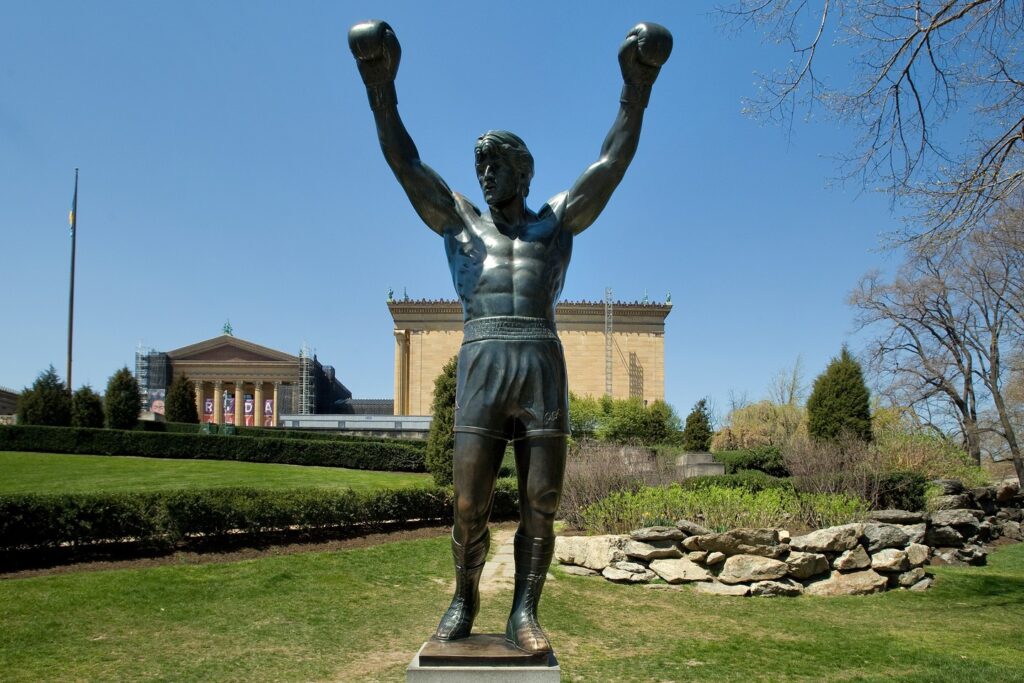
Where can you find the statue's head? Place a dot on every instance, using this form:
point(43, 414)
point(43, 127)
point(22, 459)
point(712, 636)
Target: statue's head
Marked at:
point(504, 166)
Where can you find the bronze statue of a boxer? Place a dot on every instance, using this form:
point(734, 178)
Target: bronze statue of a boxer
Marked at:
point(508, 266)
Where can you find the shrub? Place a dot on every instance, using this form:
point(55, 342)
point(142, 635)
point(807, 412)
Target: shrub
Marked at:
point(164, 518)
point(180, 403)
point(767, 459)
point(847, 465)
point(585, 416)
point(46, 402)
point(758, 425)
point(86, 409)
point(387, 456)
point(751, 480)
point(902, 491)
point(441, 440)
point(592, 472)
point(718, 508)
point(697, 432)
point(931, 455)
point(840, 402)
point(122, 402)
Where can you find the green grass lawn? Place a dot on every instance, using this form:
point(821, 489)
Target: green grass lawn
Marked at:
point(56, 473)
point(359, 615)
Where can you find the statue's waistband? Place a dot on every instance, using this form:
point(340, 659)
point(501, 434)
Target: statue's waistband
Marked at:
point(509, 327)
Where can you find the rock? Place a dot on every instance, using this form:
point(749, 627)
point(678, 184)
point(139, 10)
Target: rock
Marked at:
point(854, 583)
point(771, 589)
point(716, 588)
point(592, 552)
point(661, 587)
point(657, 533)
point(1012, 530)
point(632, 567)
point(623, 576)
point(698, 556)
point(896, 517)
point(943, 536)
point(922, 585)
point(834, 539)
point(763, 542)
point(909, 578)
point(890, 560)
point(917, 554)
point(805, 565)
point(946, 556)
point(692, 543)
point(714, 558)
point(985, 498)
point(691, 528)
point(784, 536)
point(1005, 492)
point(578, 571)
point(651, 551)
point(852, 560)
point(962, 520)
point(973, 555)
point(681, 570)
point(915, 532)
point(948, 487)
point(952, 502)
point(879, 536)
point(747, 568)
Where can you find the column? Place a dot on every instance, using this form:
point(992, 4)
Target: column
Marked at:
point(257, 401)
point(240, 403)
point(218, 402)
point(277, 392)
point(198, 385)
point(401, 372)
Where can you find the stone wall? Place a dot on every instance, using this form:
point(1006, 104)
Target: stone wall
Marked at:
point(891, 549)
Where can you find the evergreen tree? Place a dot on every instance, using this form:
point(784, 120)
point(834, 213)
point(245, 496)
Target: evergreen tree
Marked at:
point(86, 408)
point(441, 440)
point(697, 433)
point(46, 402)
point(122, 402)
point(180, 403)
point(840, 402)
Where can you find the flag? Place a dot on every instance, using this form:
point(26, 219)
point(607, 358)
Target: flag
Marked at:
point(74, 206)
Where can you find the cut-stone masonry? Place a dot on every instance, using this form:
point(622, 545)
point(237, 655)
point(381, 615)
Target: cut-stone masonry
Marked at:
point(888, 550)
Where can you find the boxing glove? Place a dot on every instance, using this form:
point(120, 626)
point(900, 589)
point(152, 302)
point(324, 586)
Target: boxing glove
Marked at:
point(646, 48)
point(377, 52)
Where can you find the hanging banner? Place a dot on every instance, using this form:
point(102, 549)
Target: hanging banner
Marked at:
point(155, 399)
point(229, 409)
point(250, 411)
point(268, 412)
point(207, 410)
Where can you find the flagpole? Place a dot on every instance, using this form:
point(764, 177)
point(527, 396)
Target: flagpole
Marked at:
point(71, 295)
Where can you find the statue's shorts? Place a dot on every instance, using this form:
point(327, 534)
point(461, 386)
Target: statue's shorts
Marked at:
point(511, 381)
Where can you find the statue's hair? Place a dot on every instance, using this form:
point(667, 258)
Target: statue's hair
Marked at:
point(512, 147)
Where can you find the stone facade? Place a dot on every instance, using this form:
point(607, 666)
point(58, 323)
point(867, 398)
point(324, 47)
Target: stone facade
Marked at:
point(428, 333)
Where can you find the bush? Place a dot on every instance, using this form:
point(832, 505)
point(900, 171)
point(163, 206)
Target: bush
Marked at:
point(751, 480)
point(180, 402)
point(276, 433)
point(86, 409)
point(122, 402)
point(931, 455)
point(840, 402)
point(718, 508)
point(767, 459)
point(388, 456)
point(46, 403)
point(593, 471)
point(440, 452)
point(164, 518)
point(697, 432)
point(760, 425)
point(902, 491)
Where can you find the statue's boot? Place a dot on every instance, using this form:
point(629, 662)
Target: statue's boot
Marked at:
point(533, 557)
point(457, 622)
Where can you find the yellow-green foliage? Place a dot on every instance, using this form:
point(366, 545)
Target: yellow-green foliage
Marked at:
point(934, 456)
point(760, 424)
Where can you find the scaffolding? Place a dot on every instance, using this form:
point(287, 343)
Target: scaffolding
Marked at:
point(152, 373)
point(307, 381)
point(608, 341)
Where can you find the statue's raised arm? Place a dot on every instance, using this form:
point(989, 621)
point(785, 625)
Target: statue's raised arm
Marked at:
point(377, 52)
point(646, 48)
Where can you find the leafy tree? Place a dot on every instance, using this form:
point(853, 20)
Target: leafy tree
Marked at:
point(180, 402)
point(697, 432)
point(46, 402)
point(759, 425)
point(122, 402)
point(441, 440)
point(663, 425)
point(630, 421)
point(585, 415)
point(86, 408)
point(840, 401)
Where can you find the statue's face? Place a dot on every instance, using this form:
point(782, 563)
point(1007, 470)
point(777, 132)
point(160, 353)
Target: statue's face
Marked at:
point(498, 178)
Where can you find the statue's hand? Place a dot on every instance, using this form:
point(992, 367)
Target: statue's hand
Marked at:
point(377, 52)
point(646, 48)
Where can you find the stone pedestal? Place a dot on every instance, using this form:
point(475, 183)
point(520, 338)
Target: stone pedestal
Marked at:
point(486, 658)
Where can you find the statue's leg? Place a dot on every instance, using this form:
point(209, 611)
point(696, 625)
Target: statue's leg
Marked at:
point(477, 460)
point(540, 462)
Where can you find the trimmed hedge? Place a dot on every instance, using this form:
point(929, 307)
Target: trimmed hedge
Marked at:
point(164, 518)
point(752, 480)
point(767, 459)
point(274, 433)
point(389, 456)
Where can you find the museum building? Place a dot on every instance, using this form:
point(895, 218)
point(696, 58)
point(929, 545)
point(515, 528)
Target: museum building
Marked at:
point(611, 348)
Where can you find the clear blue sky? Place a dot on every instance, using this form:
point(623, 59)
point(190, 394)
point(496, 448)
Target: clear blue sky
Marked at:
point(230, 169)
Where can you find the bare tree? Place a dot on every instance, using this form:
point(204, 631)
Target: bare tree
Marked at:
point(916, 62)
point(948, 321)
point(787, 387)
